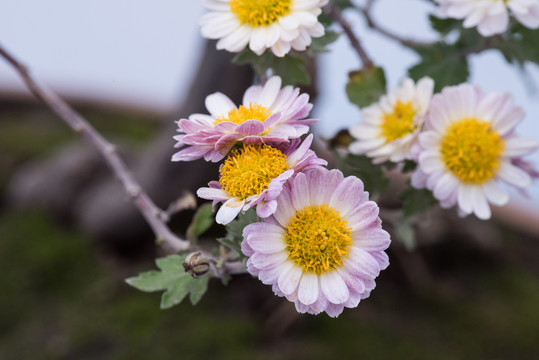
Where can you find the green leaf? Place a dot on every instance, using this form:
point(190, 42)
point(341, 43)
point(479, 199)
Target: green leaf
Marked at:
point(320, 44)
point(521, 45)
point(173, 279)
point(202, 221)
point(405, 232)
point(175, 293)
point(365, 86)
point(444, 26)
point(409, 166)
point(234, 230)
point(443, 63)
point(149, 281)
point(416, 201)
point(292, 69)
point(198, 289)
point(372, 175)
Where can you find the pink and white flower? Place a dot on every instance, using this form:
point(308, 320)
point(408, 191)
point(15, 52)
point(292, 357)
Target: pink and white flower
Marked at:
point(323, 247)
point(490, 16)
point(268, 115)
point(254, 176)
point(469, 147)
point(279, 25)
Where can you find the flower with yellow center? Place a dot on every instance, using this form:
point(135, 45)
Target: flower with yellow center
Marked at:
point(279, 25)
point(324, 245)
point(389, 128)
point(260, 12)
point(269, 114)
point(249, 170)
point(317, 239)
point(472, 150)
point(244, 113)
point(468, 147)
point(253, 175)
point(490, 16)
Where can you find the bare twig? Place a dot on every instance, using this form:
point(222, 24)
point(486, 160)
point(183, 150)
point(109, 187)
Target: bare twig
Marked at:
point(336, 15)
point(153, 214)
point(366, 11)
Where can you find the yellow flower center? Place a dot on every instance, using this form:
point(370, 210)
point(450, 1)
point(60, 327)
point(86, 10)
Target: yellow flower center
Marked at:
point(249, 170)
point(256, 13)
point(400, 122)
point(317, 239)
point(242, 114)
point(472, 150)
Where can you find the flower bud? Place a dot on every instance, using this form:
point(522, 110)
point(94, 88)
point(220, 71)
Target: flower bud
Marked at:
point(196, 264)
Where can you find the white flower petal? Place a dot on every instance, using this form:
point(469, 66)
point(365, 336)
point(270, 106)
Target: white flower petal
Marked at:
point(513, 175)
point(334, 287)
point(495, 194)
point(289, 279)
point(308, 289)
point(219, 104)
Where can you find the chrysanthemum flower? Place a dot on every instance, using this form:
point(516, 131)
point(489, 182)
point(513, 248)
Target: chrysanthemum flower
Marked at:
point(269, 114)
point(490, 16)
point(263, 24)
point(324, 245)
point(254, 176)
point(390, 127)
point(469, 147)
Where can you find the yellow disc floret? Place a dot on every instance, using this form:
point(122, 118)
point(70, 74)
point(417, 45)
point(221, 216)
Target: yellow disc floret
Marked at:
point(317, 239)
point(400, 122)
point(242, 114)
point(472, 150)
point(257, 13)
point(249, 170)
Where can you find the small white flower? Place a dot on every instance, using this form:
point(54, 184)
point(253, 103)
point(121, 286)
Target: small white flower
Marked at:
point(469, 146)
point(279, 25)
point(390, 127)
point(490, 16)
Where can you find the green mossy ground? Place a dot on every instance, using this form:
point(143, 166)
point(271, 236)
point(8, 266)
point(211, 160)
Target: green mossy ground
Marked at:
point(64, 298)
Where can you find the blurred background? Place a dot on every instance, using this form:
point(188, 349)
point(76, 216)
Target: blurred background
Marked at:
point(69, 237)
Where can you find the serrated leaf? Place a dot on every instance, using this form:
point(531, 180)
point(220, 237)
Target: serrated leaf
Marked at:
point(149, 281)
point(202, 221)
point(320, 44)
point(234, 230)
point(292, 69)
point(365, 86)
point(176, 292)
point(443, 63)
point(173, 279)
point(416, 201)
point(197, 289)
point(371, 174)
point(171, 264)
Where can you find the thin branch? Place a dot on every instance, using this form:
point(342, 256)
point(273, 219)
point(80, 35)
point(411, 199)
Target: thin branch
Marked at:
point(336, 15)
point(367, 13)
point(153, 214)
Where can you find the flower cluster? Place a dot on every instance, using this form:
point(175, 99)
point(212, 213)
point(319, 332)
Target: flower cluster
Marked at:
point(462, 140)
point(490, 16)
point(320, 242)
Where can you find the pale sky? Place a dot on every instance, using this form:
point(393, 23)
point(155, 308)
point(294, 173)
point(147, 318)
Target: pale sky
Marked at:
point(143, 52)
